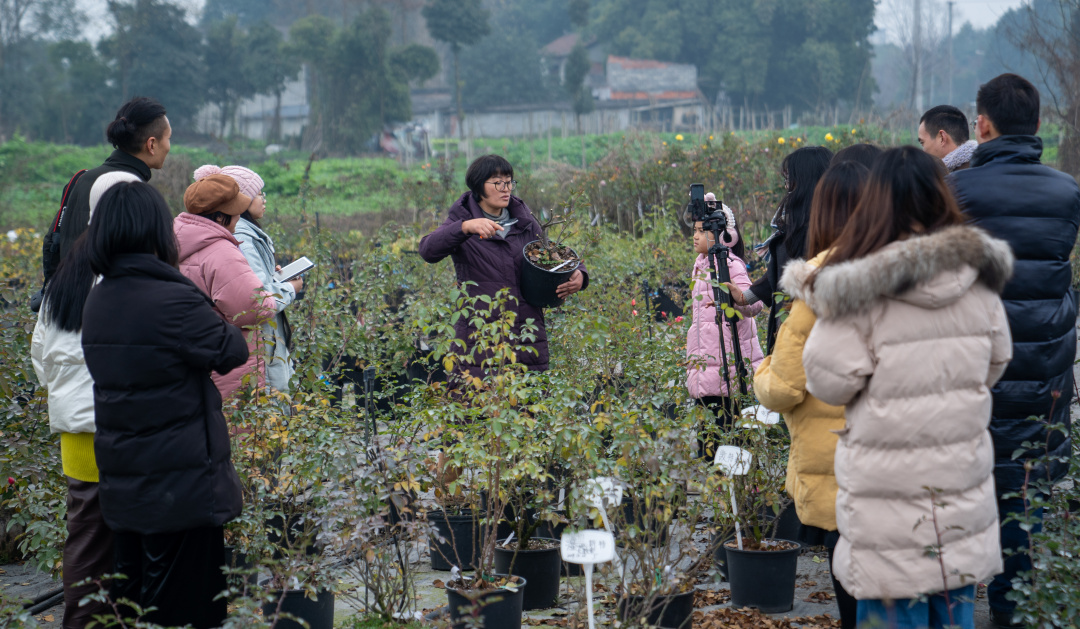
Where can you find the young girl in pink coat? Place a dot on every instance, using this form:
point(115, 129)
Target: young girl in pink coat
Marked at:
point(704, 377)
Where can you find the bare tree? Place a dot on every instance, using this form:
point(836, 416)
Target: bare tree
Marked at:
point(1050, 31)
point(923, 43)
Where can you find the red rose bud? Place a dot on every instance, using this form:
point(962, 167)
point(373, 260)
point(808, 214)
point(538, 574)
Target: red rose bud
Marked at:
point(633, 302)
point(10, 480)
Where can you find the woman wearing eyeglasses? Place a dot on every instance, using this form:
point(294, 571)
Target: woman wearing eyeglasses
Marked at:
point(484, 234)
point(258, 248)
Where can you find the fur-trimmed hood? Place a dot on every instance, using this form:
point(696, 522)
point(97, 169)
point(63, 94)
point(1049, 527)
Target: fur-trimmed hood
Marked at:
point(931, 271)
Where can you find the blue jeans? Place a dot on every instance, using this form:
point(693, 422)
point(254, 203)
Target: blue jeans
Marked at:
point(911, 613)
point(1012, 536)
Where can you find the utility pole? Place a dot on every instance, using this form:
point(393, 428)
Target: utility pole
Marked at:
point(916, 44)
point(950, 3)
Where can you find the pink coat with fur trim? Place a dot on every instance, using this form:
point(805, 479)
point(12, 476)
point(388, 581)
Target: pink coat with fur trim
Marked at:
point(210, 256)
point(703, 377)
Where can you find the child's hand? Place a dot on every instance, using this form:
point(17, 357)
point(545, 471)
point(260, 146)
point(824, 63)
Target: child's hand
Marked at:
point(736, 294)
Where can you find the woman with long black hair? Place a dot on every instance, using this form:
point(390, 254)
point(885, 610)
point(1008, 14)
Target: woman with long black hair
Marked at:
point(151, 339)
point(56, 351)
point(801, 170)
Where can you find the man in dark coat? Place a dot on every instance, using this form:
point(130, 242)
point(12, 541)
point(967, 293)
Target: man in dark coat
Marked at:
point(141, 136)
point(484, 234)
point(1036, 209)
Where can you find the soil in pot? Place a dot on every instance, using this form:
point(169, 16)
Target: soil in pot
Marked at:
point(319, 613)
point(540, 564)
point(497, 608)
point(538, 283)
point(763, 578)
point(671, 611)
point(460, 540)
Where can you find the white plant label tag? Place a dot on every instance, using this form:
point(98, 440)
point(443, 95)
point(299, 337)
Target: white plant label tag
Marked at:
point(588, 547)
point(601, 491)
point(761, 415)
point(733, 460)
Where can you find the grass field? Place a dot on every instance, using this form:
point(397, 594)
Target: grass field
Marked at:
point(32, 174)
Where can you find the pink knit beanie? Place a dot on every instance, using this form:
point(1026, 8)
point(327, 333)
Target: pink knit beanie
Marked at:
point(251, 184)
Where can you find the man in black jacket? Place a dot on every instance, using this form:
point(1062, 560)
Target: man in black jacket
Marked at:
point(1036, 209)
point(141, 136)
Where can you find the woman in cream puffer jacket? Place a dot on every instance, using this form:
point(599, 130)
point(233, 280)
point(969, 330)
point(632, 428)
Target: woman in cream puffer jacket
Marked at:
point(911, 334)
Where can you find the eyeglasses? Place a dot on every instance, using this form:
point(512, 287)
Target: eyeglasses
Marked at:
point(503, 186)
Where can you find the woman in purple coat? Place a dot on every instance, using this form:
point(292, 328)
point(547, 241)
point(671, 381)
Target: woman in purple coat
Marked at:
point(484, 235)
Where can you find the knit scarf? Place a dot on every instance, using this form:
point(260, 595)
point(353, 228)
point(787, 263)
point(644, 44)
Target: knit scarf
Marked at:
point(960, 155)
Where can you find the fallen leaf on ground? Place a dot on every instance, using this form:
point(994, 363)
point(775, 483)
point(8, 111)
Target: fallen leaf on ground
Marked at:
point(439, 584)
point(727, 618)
point(819, 597)
point(706, 598)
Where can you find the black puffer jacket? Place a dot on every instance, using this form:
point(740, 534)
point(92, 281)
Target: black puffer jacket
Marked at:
point(55, 246)
point(151, 338)
point(1036, 209)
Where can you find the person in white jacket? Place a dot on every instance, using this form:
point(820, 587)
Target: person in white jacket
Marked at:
point(56, 350)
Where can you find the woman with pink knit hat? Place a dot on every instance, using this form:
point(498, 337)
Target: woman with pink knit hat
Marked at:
point(210, 257)
point(258, 248)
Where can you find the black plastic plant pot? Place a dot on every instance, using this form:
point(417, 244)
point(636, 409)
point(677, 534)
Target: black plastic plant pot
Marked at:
point(499, 608)
point(763, 579)
point(546, 529)
point(538, 285)
point(671, 611)
point(318, 613)
point(540, 568)
point(239, 561)
point(653, 532)
point(720, 554)
point(460, 540)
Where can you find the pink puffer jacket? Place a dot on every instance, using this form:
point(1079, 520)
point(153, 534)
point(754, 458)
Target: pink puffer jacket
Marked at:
point(210, 256)
point(703, 377)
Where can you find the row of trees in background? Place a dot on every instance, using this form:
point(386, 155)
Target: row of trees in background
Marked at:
point(56, 87)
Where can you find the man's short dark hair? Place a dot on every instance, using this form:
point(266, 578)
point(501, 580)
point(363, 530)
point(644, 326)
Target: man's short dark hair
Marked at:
point(948, 119)
point(1011, 102)
point(484, 168)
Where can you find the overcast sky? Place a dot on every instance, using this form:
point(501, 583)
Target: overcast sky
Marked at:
point(981, 13)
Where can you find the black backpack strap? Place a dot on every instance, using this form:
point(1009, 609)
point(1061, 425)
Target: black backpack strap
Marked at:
point(50, 246)
point(63, 200)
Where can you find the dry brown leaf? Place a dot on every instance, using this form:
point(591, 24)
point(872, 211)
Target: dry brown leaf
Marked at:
point(819, 597)
point(439, 584)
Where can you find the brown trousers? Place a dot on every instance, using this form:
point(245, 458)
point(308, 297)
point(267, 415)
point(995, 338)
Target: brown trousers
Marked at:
point(88, 552)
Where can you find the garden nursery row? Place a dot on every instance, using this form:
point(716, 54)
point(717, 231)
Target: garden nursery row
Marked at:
point(417, 444)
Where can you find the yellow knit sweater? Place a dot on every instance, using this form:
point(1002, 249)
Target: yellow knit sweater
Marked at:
point(77, 455)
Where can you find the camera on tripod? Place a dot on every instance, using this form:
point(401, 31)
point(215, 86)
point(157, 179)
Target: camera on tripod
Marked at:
point(709, 212)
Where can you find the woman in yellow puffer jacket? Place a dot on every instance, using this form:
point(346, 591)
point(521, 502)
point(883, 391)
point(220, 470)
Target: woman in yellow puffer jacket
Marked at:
point(780, 382)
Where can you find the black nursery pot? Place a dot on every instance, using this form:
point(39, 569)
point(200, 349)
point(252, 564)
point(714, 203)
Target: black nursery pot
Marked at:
point(671, 611)
point(238, 560)
point(720, 554)
point(497, 608)
point(318, 613)
point(764, 579)
point(538, 285)
point(462, 540)
point(540, 568)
